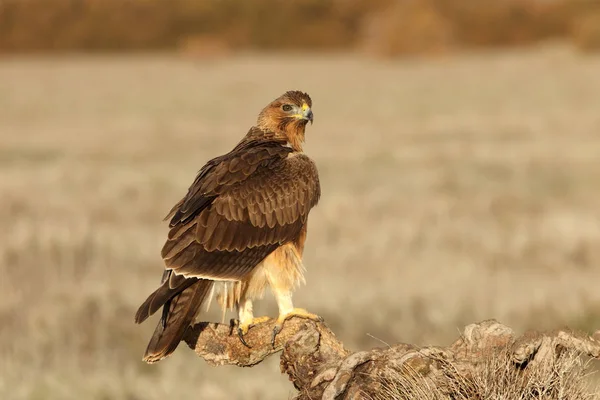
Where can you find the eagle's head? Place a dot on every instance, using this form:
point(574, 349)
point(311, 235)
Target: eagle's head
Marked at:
point(288, 114)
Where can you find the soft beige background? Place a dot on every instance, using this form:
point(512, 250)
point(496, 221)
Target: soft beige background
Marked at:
point(454, 190)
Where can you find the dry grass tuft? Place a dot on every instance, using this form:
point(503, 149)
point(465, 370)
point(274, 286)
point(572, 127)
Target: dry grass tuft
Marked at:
point(497, 378)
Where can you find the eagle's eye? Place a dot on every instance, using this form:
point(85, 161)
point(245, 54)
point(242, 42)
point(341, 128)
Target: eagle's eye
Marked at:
point(286, 107)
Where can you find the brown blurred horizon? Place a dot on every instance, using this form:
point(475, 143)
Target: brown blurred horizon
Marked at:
point(384, 28)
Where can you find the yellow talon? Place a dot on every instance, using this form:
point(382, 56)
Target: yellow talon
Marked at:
point(259, 320)
point(243, 328)
point(296, 312)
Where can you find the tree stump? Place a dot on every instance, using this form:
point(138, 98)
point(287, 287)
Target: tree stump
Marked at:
point(488, 359)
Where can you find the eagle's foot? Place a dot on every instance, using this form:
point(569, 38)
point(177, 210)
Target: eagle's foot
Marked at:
point(296, 312)
point(244, 327)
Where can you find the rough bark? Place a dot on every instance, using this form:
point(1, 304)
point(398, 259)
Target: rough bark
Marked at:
point(320, 367)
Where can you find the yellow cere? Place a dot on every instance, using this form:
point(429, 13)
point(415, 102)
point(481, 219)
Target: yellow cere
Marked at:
point(304, 108)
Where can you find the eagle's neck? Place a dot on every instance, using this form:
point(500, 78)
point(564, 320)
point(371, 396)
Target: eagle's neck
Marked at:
point(290, 135)
point(295, 136)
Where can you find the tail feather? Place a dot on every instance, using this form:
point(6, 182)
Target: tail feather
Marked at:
point(179, 311)
point(160, 297)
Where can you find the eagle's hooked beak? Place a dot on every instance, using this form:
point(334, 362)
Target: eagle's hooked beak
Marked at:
point(307, 113)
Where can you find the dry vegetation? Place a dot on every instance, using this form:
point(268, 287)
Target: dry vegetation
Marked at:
point(497, 379)
point(453, 191)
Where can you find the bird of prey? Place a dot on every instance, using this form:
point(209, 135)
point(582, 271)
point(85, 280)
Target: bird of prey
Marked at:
point(240, 228)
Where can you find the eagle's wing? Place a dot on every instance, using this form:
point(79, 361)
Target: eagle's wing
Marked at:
point(239, 210)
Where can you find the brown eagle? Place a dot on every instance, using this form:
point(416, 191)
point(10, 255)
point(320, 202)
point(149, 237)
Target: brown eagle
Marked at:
point(240, 228)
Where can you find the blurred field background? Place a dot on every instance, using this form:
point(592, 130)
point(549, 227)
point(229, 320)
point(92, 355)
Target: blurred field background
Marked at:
point(379, 27)
point(458, 147)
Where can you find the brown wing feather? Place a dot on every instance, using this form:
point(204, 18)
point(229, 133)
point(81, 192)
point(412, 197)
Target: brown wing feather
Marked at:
point(244, 220)
point(223, 172)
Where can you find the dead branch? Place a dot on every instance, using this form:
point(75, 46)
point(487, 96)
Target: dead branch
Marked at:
point(321, 368)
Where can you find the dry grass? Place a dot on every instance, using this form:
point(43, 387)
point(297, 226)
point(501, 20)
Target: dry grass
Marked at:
point(453, 191)
point(496, 378)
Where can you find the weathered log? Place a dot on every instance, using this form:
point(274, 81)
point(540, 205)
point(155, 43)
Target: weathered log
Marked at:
point(320, 367)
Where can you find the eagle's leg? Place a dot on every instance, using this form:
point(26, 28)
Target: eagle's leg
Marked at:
point(287, 310)
point(246, 319)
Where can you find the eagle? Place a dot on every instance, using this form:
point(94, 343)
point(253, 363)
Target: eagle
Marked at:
point(240, 229)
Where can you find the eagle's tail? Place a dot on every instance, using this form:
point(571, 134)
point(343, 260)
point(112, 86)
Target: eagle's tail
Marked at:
point(179, 311)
